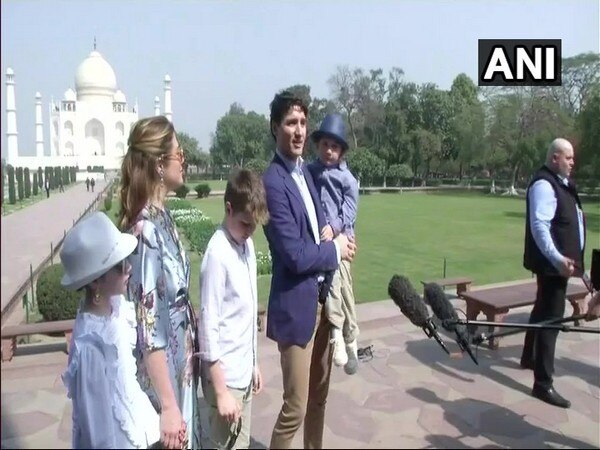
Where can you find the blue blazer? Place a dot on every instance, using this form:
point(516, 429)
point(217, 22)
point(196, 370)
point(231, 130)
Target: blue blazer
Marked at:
point(297, 260)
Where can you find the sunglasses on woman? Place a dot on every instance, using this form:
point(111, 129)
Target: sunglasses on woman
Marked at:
point(179, 155)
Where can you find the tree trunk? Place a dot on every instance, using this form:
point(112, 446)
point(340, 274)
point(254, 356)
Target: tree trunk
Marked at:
point(352, 131)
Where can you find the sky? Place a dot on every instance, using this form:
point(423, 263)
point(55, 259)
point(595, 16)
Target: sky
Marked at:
point(221, 52)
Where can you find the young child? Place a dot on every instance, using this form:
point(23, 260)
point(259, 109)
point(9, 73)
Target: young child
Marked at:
point(228, 313)
point(338, 190)
point(110, 410)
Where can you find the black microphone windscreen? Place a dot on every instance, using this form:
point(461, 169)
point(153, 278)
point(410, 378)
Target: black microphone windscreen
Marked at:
point(440, 305)
point(410, 303)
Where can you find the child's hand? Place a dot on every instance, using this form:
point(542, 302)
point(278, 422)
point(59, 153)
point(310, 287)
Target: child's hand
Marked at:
point(327, 233)
point(170, 427)
point(228, 407)
point(257, 382)
point(183, 435)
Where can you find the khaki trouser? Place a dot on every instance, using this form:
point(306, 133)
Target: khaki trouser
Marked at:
point(340, 306)
point(223, 434)
point(306, 371)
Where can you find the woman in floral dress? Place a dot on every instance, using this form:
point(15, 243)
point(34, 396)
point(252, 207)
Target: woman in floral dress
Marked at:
point(159, 283)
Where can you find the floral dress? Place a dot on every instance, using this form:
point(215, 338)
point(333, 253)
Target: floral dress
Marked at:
point(159, 286)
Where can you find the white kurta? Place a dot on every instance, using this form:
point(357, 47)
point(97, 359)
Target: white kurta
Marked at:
point(110, 410)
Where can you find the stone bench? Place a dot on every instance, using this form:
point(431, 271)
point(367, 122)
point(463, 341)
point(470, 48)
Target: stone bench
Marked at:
point(497, 301)
point(9, 334)
point(462, 284)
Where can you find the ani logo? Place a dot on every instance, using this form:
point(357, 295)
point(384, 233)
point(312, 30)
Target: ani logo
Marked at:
point(524, 62)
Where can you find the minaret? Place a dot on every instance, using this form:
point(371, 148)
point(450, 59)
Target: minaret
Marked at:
point(39, 127)
point(156, 106)
point(168, 112)
point(11, 118)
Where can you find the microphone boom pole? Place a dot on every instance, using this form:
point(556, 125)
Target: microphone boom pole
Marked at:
point(486, 337)
point(551, 325)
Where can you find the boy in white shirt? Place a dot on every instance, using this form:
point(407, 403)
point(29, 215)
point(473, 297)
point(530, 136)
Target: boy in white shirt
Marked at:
point(228, 313)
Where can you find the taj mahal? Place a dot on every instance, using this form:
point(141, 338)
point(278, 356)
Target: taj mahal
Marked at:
point(88, 127)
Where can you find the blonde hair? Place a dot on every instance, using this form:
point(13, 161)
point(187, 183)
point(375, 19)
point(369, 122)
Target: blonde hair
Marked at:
point(245, 192)
point(150, 139)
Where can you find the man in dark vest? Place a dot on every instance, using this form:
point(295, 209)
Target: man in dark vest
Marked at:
point(554, 244)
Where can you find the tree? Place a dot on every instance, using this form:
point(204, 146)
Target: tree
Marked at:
point(240, 138)
point(40, 177)
point(257, 165)
point(35, 184)
point(343, 84)
point(467, 124)
point(588, 126)
point(20, 190)
point(399, 172)
point(579, 75)
point(12, 198)
point(190, 148)
point(57, 177)
point(3, 171)
point(365, 165)
point(523, 122)
point(27, 180)
point(425, 147)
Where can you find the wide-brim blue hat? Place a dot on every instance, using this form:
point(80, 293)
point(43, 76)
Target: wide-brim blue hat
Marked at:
point(333, 126)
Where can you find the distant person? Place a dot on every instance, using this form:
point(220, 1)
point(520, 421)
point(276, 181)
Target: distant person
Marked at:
point(93, 183)
point(110, 409)
point(554, 244)
point(87, 184)
point(61, 187)
point(47, 187)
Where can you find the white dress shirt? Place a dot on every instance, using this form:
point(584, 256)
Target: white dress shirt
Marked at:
point(228, 308)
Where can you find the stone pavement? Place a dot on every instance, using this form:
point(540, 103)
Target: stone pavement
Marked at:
point(409, 395)
point(26, 235)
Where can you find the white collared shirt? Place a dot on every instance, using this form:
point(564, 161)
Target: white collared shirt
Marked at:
point(227, 324)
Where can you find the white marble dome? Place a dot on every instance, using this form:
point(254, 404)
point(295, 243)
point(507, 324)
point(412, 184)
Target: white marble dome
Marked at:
point(96, 75)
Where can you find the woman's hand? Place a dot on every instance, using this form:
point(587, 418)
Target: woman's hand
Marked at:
point(171, 422)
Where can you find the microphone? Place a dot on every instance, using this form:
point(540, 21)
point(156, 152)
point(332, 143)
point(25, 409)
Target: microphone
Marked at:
point(411, 305)
point(442, 308)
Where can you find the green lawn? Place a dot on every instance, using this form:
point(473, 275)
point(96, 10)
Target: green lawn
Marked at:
point(215, 185)
point(7, 208)
point(411, 234)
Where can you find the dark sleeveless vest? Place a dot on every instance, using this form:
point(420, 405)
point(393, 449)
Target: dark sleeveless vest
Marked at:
point(564, 227)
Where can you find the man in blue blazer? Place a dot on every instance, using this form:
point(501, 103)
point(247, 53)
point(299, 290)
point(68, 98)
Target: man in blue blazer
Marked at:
point(300, 261)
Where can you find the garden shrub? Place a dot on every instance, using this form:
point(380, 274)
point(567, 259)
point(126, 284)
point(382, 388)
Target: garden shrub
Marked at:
point(54, 301)
point(203, 190)
point(182, 191)
point(12, 198)
point(27, 180)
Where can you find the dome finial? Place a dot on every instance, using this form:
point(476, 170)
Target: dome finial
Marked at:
point(94, 42)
